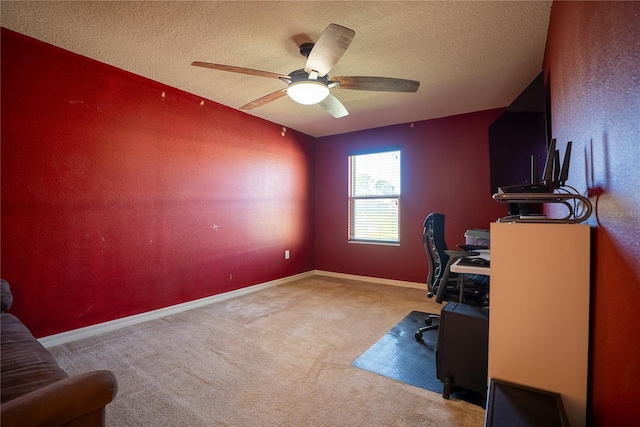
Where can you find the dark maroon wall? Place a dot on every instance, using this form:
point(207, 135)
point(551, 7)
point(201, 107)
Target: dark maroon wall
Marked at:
point(117, 199)
point(593, 63)
point(445, 168)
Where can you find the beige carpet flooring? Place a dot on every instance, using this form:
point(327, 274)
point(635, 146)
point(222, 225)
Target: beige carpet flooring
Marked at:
point(277, 357)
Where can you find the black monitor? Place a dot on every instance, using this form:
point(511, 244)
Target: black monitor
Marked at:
point(519, 137)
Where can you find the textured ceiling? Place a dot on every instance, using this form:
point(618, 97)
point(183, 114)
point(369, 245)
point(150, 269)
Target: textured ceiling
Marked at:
point(468, 55)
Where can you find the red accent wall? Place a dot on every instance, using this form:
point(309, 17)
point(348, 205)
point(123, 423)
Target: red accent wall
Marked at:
point(592, 61)
point(117, 200)
point(121, 195)
point(445, 168)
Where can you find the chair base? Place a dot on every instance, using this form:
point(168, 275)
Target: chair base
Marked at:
point(430, 326)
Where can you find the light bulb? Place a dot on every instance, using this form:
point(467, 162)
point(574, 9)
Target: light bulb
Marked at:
point(307, 92)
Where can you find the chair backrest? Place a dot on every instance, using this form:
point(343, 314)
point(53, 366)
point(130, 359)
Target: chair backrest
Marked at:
point(441, 282)
point(435, 247)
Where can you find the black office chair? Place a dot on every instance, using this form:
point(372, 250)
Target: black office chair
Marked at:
point(441, 283)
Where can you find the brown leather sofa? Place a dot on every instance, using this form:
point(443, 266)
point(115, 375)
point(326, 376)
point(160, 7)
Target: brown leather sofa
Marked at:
point(36, 391)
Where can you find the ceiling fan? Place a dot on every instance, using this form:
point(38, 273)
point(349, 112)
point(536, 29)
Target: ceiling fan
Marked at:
point(311, 84)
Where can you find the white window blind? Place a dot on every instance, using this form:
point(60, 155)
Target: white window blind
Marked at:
point(374, 197)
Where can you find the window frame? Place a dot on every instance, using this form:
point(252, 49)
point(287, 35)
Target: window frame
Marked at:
point(352, 199)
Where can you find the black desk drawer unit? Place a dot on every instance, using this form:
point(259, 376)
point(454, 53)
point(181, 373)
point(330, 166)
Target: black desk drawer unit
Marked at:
point(463, 348)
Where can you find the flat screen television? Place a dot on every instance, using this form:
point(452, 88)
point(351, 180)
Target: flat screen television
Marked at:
point(519, 137)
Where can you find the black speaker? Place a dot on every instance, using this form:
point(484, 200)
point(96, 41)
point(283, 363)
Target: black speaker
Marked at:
point(462, 351)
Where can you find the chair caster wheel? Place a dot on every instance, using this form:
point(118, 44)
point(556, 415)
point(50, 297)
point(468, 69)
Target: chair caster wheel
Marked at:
point(418, 336)
point(428, 321)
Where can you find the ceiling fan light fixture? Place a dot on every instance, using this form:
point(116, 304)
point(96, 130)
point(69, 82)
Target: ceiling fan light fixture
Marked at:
point(308, 92)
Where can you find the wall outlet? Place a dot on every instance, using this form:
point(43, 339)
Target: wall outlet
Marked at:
point(286, 254)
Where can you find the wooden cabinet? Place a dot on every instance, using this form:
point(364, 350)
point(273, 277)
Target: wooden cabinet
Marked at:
point(539, 312)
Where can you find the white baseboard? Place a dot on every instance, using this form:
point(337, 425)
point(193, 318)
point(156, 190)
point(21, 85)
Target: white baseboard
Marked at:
point(391, 282)
point(112, 325)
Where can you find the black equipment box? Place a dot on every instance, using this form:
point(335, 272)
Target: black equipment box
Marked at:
point(514, 405)
point(462, 352)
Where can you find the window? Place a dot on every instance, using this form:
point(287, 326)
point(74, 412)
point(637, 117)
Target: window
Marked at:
point(374, 197)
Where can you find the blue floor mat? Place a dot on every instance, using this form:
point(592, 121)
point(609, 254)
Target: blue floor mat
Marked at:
point(399, 356)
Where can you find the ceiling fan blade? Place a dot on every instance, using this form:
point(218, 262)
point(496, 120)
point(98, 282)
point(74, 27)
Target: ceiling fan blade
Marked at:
point(264, 100)
point(384, 84)
point(329, 48)
point(333, 106)
point(242, 70)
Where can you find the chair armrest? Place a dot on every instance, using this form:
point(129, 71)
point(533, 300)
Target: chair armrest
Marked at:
point(62, 401)
point(444, 279)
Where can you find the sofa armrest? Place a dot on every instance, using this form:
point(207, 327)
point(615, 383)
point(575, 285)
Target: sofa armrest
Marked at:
point(62, 401)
